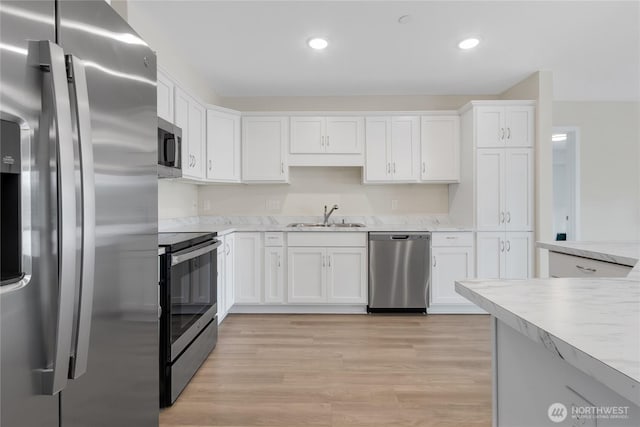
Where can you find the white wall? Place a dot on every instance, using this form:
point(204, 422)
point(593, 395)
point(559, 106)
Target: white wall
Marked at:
point(177, 199)
point(609, 166)
point(313, 187)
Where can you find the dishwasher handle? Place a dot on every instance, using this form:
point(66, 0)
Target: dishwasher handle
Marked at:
point(399, 237)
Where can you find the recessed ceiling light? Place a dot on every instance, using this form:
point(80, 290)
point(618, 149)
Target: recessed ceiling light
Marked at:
point(317, 43)
point(559, 137)
point(468, 43)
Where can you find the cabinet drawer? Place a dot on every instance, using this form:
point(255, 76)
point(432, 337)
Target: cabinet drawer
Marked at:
point(274, 238)
point(452, 239)
point(563, 265)
point(326, 238)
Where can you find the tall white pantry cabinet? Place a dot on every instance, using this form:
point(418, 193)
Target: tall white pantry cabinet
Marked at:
point(496, 187)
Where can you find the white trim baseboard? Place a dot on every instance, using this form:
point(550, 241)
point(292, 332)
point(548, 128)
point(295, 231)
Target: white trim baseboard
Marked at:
point(298, 309)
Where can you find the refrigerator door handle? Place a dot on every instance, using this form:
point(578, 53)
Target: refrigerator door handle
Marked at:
point(49, 57)
point(78, 80)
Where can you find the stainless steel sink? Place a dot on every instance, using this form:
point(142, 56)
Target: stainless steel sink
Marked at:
point(321, 225)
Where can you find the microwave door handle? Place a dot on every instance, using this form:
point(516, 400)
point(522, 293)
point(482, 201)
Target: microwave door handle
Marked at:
point(49, 57)
point(188, 254)
point(78, 364)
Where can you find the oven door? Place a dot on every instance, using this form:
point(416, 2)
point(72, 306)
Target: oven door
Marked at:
point(193, 294)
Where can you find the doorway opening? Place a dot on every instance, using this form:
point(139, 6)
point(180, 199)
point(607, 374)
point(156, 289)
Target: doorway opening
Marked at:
point(566, 183)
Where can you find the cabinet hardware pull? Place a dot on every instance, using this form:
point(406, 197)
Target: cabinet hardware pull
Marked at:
point(209, 164)
point(327, 140)
point(434, 261)
point(394, 167)
point(586, 269)
point(323, 262)
point(424, 168)
point(388, 167)
point(508, 133)
point(228, 251)
point(508, 217)
point(501, 217)
point(502, 133)
point(329, 258)
point(282, 167)
point(508, 245)
point(278, 260)
point(501, 245)
point(322, 141)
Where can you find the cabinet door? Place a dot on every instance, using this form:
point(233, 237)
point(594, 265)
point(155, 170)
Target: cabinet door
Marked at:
point(274, 275)
point(405, 148)
point(307, 135)
point(181, 112)
point(346, 275)
point(518, 184)
point(490, 189)
point(490, 255)
point(344, 135)
point(490, 127)
point(377, 165)
point(248, 267)
point(519, 255)
point(165, 97)
point(264, 142)
point(223, 147)
point(448, 265)
point(307, 275)
point(519, 123)
point(197, 128)
point(229, 273)
point(440, 148)
point(220, 282)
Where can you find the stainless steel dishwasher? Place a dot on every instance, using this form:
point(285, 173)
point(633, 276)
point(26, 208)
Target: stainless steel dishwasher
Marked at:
point(399, 272)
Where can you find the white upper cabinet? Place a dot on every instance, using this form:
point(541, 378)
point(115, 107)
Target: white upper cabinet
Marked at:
point(223, 146)
point(344, 135)
point(518, 189)
point(440, 149)
point(190, 116)
point(504, 126)
point(490, 189)
point(392, 147)
point(320, 135)
point(504, 189)
point(165, 97)
point(264, 142)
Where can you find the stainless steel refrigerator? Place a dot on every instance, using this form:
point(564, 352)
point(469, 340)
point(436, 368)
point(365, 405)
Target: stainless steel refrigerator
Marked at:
point(79, 294)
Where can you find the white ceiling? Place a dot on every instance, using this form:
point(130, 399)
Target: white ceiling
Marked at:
point(259, 48)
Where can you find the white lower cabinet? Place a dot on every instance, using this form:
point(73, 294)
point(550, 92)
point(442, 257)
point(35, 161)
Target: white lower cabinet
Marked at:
point(248, 268)
point(504, 255)
point(327, 275)
point(229, 271)
point(346, 275)
point(307, 275)
point(273, 275)
point(451, 260)
point(221, 281)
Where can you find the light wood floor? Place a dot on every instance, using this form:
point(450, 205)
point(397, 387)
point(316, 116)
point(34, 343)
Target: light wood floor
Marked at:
point(342, 370)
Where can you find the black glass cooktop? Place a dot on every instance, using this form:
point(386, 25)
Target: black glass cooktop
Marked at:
point(177, 241)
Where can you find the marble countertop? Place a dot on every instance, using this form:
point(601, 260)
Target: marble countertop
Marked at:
point(626, 253)
point(592, 324)
point(231, 228)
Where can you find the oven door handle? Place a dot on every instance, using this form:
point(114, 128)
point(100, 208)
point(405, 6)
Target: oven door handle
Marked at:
point(190, 254)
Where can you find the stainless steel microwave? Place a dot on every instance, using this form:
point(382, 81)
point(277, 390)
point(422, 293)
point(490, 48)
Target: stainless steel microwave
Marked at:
point(169, 150)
